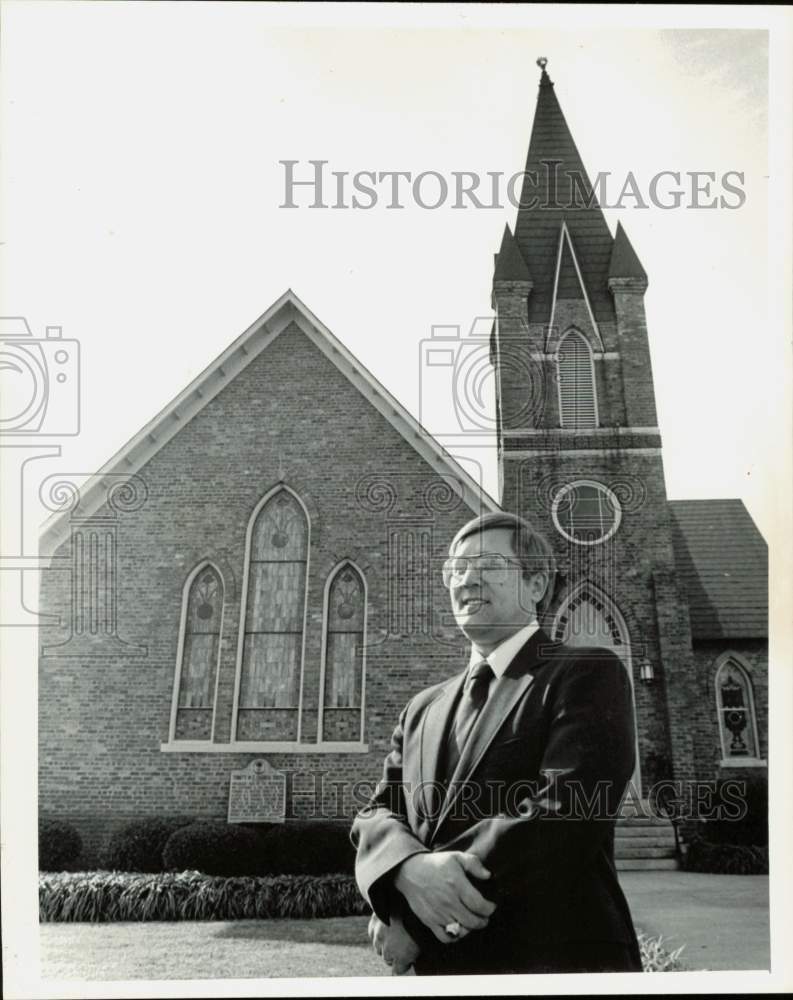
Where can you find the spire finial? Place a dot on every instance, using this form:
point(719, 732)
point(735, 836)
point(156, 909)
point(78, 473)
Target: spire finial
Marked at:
point(542, 62)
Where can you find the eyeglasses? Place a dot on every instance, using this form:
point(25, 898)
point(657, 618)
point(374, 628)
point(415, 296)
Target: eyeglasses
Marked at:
point(492, 564)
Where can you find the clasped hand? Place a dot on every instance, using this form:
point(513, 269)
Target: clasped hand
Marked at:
point(393, 944)
point(438, 889)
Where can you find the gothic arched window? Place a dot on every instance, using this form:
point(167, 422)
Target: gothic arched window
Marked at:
point(586, 620)
point(576, 373)
point(343, 673)
point(735, 708)
point(274, 613)
point(199, 651)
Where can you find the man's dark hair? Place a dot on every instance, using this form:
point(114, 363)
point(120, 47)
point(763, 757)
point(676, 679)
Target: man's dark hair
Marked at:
point(530, 546)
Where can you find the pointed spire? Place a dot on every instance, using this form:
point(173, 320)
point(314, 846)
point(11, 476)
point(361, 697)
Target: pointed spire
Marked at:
point(510, 265)
point(624, 262)
point(557, 189)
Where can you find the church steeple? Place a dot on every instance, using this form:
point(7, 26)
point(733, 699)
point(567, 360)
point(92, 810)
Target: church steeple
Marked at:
point(557, 190)
point(569, 298)
point(579, 449)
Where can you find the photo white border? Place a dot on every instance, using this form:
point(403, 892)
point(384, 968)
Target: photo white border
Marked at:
point(18, 683)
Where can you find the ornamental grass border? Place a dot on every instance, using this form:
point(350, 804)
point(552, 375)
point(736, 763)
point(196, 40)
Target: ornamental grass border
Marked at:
point(103, 896)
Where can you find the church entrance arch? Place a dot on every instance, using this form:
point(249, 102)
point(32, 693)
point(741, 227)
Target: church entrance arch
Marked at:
point(587, 617)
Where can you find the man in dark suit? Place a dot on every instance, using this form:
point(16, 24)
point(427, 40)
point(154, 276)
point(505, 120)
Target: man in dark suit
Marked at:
point(488, 845)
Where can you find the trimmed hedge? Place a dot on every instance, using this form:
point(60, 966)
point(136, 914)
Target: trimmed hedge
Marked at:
point(105, 896)
point(215, 848)
point(59, 845)
point(727, 846)
point(299, 847)
point(725, 859)
point(752, 829)
point(309, 847)
point(138, 846)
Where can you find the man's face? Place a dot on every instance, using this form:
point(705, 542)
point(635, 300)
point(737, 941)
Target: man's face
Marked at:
point(489, 610)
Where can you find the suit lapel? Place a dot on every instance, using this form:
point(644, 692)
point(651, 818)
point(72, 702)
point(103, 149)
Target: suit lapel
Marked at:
point(434, 729)
point(507, 692)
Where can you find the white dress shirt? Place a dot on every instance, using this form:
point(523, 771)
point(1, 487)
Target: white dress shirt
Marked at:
point(501, 657)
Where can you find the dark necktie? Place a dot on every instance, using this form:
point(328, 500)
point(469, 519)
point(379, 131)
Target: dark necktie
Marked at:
point(471, 701)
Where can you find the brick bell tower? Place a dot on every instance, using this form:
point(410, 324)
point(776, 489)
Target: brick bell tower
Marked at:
point(579, 447)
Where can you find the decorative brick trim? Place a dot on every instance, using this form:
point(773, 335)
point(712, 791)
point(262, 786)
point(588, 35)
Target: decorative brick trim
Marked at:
point(570, 431)
point(186, 746)
point(578, 451)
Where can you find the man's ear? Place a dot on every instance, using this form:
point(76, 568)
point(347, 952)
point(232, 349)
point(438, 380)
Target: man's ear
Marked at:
point(538, 585)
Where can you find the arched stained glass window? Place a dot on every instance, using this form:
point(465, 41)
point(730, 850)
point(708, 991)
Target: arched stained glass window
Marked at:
point(342, 697)
point(200, 650)
point(735, 707)
point(274, 614)
point(576, 373)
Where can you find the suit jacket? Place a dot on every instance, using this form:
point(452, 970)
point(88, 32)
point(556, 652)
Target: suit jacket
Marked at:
point(534, 795)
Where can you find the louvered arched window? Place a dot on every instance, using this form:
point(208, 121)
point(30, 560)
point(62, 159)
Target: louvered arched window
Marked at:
point(274, 612)
point(343, 667)
point(576, 373)
point(199, 650)
point(735, 708)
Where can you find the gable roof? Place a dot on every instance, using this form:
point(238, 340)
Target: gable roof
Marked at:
point(284, 312)
point(722, 563)
point(550, 197)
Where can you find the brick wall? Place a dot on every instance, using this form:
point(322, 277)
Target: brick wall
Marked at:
point(105, 706)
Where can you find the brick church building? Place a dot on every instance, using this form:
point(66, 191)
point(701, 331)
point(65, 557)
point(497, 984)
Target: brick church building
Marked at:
point(252, 577)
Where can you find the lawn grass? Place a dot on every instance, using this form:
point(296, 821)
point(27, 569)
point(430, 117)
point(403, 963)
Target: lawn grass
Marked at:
point(234, 949)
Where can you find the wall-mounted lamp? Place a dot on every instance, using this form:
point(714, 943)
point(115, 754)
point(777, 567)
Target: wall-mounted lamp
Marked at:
point(646, 672)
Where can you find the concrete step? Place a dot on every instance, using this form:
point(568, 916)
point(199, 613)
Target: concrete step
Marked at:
point(646, 864)
point(640, 821)
point(624, 853)
point(645, 832)
point(622, 844)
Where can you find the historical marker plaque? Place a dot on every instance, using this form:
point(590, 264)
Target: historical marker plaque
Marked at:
point(257, 794)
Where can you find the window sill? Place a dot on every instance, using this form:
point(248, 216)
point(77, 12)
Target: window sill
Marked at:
point(206, 746)
point(743, 762)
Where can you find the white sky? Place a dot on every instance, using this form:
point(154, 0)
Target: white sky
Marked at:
point(141, 194)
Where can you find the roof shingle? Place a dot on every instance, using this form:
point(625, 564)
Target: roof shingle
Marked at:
point(722, 563)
